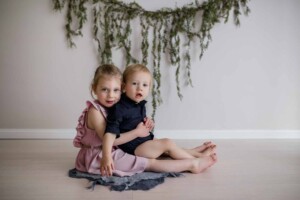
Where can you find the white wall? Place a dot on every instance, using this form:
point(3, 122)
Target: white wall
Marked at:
point(248, 79)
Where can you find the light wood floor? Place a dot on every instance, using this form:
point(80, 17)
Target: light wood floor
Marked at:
point(247, 169)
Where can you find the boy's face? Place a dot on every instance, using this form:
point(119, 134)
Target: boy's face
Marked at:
point(137, 87)
point(108, 91)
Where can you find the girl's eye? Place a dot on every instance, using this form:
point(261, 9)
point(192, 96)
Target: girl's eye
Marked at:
point(134, 83)
point(117, 90)
point(145, 85)
point(104, 89)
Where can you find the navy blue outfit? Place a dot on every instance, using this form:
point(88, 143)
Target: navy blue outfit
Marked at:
point(124, 116)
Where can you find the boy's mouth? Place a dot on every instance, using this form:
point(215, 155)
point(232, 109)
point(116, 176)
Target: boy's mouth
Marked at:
point(138, 95)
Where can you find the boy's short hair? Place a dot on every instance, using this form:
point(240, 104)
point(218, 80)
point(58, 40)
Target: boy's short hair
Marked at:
point(135, 68)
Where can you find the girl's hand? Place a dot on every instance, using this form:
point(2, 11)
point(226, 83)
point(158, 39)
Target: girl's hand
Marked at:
point(106, 166)
point(149, 123)
point(142, 130)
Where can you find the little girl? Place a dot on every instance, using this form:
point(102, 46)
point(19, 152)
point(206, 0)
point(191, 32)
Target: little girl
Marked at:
point(130, 114)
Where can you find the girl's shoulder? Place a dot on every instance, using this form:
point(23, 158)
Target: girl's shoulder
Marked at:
point(96, 105)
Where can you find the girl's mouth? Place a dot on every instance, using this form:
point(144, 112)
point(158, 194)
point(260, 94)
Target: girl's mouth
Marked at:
point(110, 102)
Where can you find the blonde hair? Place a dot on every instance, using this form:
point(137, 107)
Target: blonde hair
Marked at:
point(131, 69)
point(106, 70)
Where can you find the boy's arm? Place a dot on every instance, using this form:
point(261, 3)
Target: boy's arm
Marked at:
point(107, 165)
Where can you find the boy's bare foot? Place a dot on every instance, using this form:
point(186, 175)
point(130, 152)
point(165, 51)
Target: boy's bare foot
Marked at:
point(206, 149)
point(201, 164)
point(203, 147)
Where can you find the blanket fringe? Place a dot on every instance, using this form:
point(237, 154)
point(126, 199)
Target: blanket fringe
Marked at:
point(141, 181)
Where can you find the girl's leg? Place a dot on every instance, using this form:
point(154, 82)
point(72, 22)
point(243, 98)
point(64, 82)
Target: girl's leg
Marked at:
point(155, 148)
point(196, 165)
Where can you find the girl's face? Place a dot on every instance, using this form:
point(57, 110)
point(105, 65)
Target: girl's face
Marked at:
point(137, 86)
point(108, 90)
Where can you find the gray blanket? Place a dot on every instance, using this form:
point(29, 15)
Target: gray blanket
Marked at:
point(140, 181)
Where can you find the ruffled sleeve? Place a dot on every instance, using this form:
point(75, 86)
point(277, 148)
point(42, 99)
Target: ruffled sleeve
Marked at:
point(81, 126)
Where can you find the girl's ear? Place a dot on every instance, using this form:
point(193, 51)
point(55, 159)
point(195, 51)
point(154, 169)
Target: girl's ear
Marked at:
point(93, 89)
point(93, 94)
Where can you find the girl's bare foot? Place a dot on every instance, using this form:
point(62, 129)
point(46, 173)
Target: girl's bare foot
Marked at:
point(201, 164)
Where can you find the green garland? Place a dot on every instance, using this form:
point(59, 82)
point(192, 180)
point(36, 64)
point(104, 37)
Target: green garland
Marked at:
point(114, 19)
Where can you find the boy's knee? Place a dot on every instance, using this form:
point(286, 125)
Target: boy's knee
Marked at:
point(168, 142)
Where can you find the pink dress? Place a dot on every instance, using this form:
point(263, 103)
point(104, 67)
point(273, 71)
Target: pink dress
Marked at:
point(88, 158)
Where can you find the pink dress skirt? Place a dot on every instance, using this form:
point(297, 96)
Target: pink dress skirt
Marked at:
point(90, 153)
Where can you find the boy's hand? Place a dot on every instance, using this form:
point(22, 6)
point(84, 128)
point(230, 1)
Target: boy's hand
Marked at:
point(106, 166)
point(142, 130)
point(149, 123)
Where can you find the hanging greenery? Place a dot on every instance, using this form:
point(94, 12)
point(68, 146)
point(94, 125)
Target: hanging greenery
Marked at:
point(172, 29)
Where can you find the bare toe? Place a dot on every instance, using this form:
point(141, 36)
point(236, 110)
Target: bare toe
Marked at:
point(203, 147)
point(208, 151)
point(207, 143)
point(213, 148)
point(214, 157)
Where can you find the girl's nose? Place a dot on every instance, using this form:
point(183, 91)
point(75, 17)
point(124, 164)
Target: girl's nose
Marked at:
point(110, 93)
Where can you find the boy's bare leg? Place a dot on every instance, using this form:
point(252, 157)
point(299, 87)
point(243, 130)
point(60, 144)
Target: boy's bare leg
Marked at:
point(155, 148)
point(196, 165)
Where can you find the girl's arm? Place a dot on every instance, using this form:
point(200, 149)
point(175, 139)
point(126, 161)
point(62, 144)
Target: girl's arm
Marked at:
point(149, 123)
point(107, 164)
point(97, 122)
point(140, 131)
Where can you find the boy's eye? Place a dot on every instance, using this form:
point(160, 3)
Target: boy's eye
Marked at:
point(145, 85)
point(117, 90)
point(134, 83)
point(104, 89)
